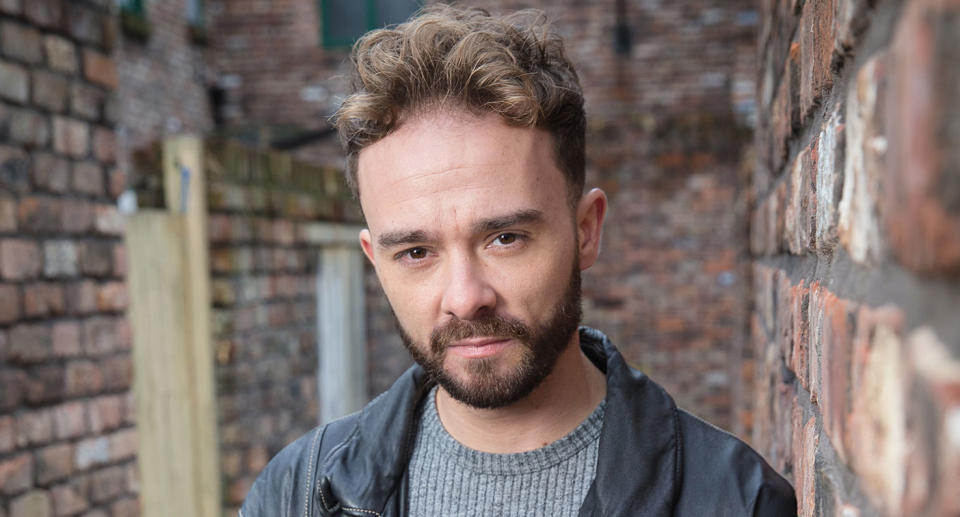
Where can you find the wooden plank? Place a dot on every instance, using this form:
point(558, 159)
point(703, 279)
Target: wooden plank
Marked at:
point(173, 355)
point(183, 159)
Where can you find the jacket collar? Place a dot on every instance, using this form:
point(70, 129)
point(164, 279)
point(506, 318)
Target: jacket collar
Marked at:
point(638, 469)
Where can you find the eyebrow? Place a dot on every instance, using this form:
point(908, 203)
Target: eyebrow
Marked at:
point(401, 237)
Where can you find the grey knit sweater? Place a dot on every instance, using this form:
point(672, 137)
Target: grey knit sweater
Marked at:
point(449, 479)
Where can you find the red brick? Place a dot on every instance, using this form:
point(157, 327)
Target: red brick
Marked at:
point(13, 387)
point(112, 297)
point(104, 145)
point(99, 336)
point(44, 384)
point(51, 172)
point(43, 299)
point(38, 214)
point(834, 400)
point(124, 334)
point(106, 413)
point(35, 503)
point(876, 438)
point(9, 303)
point(82, 297)
point(123, 445)
point(71, 137)
point(54, 463)
point(816, 50)
point(923, 194)
point(127, 507)
point(19, 259)
point(66, 339)
point(88, 178)
point(29, 343)
point(117, 372)
point(107, 484)
point(865, 159)
point(34, 428)
point(77, 216)
point(116, 182)
point(68, 499)
point(88, 25)
point(83, 378)
point(27, 127)
point(119, 261)
point(69, 420)
point(99, 68)
point(21, 42)
point(96, 258)
point(86, 102)
point(16, 474)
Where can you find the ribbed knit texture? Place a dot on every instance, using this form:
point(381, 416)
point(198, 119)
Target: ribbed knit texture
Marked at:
point(449, 479)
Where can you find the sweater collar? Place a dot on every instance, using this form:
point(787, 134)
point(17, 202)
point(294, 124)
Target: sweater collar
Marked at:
point(639, 442)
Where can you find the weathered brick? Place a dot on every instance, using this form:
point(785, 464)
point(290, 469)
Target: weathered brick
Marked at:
point(96, 258)
point(49, 90)
point(39, 214)
point(54, 463)
point(9, 303)
point(30, 342)
point(14, 7)
point(35, 503)
point(20, 42)
point(108, 220)
point(123, 445)
point(29, 127)
point(77, 216)
point(829, 182)
point(922, 195)
point(864, 159)
point(116, 182)
point(44, 384)
point(8, 213)
point(66, 338)
point(34, 428)
point(108, 483)
point(125, 507)
point(14, 82)
point(59, 259)
point(45, 13)
point(117, 372)
point(83, 378)
point(99, 68)
point(86, 24)
point(71, 137)
point(816, 50)
point(86, 101)
point(99, 335)
point(82, 297)
point(119, 260)
point(43, 299)
point(106, 413)
point(8, 433)
point(92, 452)
point(16, 474)
point(797, 212)
point(14, 169)
point(104, 145)
point(51, 172)
point(876, 438)
point(69, 420)
point(61, 53)
point(68, 499)
point(88, 178)
point(13, 387)
point(112, 297)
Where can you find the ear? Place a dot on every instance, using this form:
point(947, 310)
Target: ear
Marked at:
point(366, 244)
point(590, 213)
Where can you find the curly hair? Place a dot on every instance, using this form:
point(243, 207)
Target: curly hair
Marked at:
point(445, 57)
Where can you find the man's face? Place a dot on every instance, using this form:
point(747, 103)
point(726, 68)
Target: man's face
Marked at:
point(475, 244)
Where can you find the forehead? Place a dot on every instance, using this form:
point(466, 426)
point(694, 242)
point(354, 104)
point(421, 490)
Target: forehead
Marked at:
point(453, 167)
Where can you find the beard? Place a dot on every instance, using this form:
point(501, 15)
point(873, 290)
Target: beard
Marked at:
point(483, 386)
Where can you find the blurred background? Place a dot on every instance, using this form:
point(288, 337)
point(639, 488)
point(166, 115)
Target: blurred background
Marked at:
point(181, 293)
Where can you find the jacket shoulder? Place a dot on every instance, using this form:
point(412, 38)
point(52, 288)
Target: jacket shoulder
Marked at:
point(724, 475)
point(285, 486)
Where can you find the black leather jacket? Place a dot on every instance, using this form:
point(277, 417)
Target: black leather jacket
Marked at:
point(654, 459)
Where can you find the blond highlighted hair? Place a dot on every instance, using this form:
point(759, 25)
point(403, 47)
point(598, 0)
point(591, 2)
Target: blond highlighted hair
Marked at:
point(443, 57)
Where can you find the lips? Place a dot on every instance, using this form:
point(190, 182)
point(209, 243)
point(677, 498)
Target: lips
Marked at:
point(475, 348)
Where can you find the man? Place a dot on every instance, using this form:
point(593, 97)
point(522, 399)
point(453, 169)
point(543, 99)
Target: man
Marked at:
point(465, 142)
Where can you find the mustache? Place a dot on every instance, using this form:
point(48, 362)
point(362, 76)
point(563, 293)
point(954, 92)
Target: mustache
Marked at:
point(488, 326)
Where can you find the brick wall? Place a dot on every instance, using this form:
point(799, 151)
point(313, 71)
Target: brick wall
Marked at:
point(855, 234)
point(67, 438)
point(264, 249)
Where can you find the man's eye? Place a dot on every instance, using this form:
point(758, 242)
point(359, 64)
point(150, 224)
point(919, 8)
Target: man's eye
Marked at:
point(416, 253)
point(506, 239)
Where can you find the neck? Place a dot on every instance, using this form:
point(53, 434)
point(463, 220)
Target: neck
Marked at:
point(557, 406)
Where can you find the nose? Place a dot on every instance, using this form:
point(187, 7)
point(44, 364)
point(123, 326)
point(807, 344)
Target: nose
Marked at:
point(467, 293)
